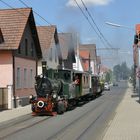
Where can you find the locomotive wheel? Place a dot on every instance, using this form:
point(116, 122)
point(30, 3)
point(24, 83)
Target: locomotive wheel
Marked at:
point(71, 106)
point(33, 108)
point(60, 108)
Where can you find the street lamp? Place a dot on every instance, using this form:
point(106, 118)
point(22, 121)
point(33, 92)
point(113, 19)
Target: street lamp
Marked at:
point(118, 25)
point(136, 40)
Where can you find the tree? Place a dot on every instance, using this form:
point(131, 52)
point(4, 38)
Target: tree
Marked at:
point(125, 71)
point(108, 76)
point(116, 72)
point(121, 71)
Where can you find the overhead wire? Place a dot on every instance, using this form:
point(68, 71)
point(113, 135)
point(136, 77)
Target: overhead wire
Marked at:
point(61, 31)
point(35, 13)
point(99, 35)
point(98, 32)
point(42, 18)
point(50, 23)
point(39, 15)
point(16, 9)
point(95, 23)
point(32, 10)
point(89, 22)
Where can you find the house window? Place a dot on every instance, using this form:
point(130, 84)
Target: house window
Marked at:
point(18, 78)
point(25, 78)
point(26, 47)
point(31, 78)
point(32, 51)
point(50, 55)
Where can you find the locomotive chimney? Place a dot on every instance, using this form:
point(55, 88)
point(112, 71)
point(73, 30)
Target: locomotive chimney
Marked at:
point(44, 67)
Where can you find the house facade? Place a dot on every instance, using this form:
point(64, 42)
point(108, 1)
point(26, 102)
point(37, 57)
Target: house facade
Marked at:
point(19, 54)
point(88, 57)
point(67, 46)
point(50, 47)
point(84, 56)
point(136, 58)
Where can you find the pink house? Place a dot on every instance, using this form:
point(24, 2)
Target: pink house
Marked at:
point(19, 54)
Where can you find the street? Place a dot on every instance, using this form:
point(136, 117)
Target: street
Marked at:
point(89, 121)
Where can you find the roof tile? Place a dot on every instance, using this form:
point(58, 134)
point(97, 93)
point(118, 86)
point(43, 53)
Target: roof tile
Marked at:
point(12, 24)
point(46, 34)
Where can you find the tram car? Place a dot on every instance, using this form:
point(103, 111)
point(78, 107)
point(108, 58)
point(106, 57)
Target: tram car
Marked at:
point(59, 90)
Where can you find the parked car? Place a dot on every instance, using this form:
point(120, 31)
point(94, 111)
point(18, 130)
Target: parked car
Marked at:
point(106, 86)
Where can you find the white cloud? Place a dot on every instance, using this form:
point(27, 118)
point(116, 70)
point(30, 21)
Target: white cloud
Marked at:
point(72, 3)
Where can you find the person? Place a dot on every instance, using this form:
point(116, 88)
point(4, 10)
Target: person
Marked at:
point(77, 80)
point(77, 85)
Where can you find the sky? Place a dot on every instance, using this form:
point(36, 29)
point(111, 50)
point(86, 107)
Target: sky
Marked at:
point(67, 16)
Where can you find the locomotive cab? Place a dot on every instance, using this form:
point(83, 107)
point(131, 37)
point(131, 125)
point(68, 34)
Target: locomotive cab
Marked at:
point(68, 86)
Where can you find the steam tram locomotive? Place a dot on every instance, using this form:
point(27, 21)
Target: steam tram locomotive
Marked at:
point(59, 90)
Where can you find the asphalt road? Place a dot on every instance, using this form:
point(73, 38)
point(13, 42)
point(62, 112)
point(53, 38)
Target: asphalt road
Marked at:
point(86, 122)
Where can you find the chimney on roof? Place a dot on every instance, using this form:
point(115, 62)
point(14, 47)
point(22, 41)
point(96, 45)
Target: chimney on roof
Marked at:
point(1, 37)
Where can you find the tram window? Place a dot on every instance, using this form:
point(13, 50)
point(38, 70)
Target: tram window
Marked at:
point(84, 79)
point(87, 79)
point(73, 76)
point(56, 75)
point(66, 76)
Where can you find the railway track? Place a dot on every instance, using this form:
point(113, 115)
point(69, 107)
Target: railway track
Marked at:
point(81, 122)
point(19, 124)
point(61, 132)
point(16, 125)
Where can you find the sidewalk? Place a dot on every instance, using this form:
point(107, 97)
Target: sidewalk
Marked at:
point(126, 123)
point(14, 113)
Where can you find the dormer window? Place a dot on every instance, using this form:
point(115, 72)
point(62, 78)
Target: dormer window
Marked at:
point(1, 37)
